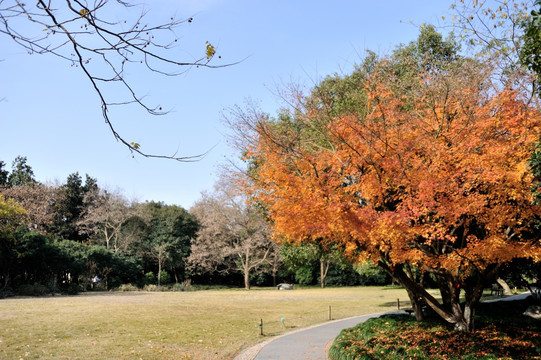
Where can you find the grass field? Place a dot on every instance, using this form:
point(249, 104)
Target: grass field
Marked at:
point(209, 324)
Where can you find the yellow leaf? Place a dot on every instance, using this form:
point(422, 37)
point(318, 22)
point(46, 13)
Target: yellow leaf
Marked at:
point(210, 50)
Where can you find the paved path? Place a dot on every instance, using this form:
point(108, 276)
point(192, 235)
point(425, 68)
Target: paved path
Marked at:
point(309, 343)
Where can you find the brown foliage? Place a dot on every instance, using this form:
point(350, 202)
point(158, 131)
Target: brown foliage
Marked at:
point(38, 200)
point(233, 234)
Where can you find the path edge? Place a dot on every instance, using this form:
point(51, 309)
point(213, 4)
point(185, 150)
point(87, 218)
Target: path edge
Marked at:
point(251, 352)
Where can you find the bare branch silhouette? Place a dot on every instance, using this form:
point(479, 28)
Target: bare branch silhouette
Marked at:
point(82, 33)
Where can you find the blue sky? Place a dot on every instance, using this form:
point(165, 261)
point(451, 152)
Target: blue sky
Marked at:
point(50, 114)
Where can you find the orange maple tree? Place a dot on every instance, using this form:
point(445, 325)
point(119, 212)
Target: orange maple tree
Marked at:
point(435, 178)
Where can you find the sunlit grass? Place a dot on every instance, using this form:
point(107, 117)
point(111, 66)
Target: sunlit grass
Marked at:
point(210, 324)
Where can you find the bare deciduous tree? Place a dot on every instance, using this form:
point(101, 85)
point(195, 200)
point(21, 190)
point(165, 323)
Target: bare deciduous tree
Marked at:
point(105, 214)
point(38, 200)
point(233, 234)
point(88, 35)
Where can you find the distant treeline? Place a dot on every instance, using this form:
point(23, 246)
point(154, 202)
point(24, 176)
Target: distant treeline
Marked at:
point(76, 236)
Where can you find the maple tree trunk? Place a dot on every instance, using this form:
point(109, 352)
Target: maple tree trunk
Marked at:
point(415, 305)
point(473, 297)
point(461, 320)
point(445, 287)
point(458, 319)
point(415, 299)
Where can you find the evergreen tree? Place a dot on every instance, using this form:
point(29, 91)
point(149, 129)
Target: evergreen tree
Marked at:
point(70, 205)
point(21, 173)
point(4, 174)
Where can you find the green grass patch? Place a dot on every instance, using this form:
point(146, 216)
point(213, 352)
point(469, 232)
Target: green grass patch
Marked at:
point(210, 324)
point(502, 333)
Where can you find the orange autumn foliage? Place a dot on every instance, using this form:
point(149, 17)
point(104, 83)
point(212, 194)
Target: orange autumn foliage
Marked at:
point(437, 178)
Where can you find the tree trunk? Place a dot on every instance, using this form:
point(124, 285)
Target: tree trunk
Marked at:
point(454, 316)
point(415, 305)
point(246, 266)
point(503, 284)
point(6, 282)
point(107, 239)
point(415, 299)
point(474, 292)
point(323, 269)
point(247, 279)
point(445, 287)
point(458, 319)
point(159, 271)
point(115, 242)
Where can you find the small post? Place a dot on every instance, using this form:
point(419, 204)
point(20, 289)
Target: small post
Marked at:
point(330, 313)
point(398, 302)
point(260, 326)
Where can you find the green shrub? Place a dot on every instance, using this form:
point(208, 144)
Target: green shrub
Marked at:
point(6, 293)
point(33, 290)
point(186, 285)
point(150, 287)
point(149, 278)
point(370, 274)
point(304, 276)
point(341, 275)
point(73, 289)
point(202, 287)
point(165, 278)
point(127, 287)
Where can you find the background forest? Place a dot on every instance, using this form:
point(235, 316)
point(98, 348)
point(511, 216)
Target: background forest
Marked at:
point(78, 237)
point(427, 158)
point(420, 167)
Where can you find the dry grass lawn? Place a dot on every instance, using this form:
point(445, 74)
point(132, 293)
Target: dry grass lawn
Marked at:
point(209, 324)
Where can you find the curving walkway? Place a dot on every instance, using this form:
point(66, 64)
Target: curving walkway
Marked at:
point(309, 343)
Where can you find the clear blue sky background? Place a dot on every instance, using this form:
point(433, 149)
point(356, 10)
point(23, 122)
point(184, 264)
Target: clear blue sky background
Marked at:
point(50, 114)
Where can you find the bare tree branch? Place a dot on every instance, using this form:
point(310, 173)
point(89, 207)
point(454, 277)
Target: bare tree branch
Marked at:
point(81, 33)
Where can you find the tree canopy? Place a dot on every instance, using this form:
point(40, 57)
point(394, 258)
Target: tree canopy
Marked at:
point(428, 169)
point(21, 173)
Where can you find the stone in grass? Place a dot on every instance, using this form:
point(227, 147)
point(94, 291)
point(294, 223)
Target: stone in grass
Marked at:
point(284, 286)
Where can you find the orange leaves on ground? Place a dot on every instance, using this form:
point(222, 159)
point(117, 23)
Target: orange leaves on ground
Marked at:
point(399, 337)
